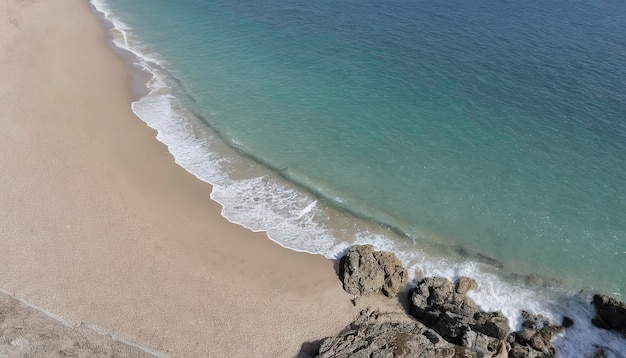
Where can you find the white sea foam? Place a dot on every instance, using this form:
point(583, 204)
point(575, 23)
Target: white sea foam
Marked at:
point(299, 221)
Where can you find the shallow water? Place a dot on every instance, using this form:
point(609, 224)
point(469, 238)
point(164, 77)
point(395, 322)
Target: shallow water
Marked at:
point(484, 138)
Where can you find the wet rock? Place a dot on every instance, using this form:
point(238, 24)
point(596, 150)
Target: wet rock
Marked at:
point(465, 284)
point(535, 339)
point(365, 271)
point(611, 312)
point(436, 303)
point(567, 322)
point(600, 323)
point(599, 354)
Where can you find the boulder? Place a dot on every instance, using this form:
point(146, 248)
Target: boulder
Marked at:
point(376, 334)
point(364, 271)
point(611, 312)
point(465, 284)
point(567, 322)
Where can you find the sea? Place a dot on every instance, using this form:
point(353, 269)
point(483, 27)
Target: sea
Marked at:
point(481, 138)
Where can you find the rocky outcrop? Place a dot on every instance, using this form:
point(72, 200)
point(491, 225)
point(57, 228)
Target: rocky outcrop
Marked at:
point(365, 271)
point(535, 338)
point(436, 303)
point(376, 334)
point(444, 320)
point(455, 316)
point(611, 313)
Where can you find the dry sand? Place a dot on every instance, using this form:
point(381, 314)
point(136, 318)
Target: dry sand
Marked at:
point(98, 225)
point(27, 332)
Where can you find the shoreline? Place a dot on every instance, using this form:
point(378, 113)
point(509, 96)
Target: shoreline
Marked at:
point(459, 258)
point(101, 226)
point(537, 286)
point(520, 286)
point(119, 193)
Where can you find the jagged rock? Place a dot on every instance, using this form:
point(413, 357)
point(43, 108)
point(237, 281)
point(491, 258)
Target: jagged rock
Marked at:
point(503, 350)
point(365, 271)
point(465, 284)
point(535, 340)
point(522, 351)
point(435, 295)
point(611, 311)
point(482, 345)
point(376, 334)
point(438, 305)
point(493, 324)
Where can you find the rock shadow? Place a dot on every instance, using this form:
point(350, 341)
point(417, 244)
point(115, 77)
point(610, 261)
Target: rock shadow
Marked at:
point(309, 349)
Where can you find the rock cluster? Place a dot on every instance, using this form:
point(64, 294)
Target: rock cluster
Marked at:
point(454, 315)
point(444, 321)
point(365, 271)
point(611, 313)
point(534, 340)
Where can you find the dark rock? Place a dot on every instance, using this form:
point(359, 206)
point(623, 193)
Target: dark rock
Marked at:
point(465, 284)
point(365, 271)
point(599, 354)
point(600, 323)
point(376, 334)
point(567, 322)
point(535, 340)
point(612, 311)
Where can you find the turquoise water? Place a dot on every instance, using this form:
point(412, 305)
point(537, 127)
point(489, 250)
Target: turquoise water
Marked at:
point(485, 129)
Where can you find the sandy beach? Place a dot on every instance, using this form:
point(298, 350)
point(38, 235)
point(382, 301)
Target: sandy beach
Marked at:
point(99, 225)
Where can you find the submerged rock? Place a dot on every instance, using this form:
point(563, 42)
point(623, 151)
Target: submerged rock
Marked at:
point(365, 271)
